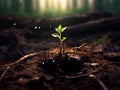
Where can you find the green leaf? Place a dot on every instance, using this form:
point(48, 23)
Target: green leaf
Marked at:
point(63, 39)
point(55, 35)
point(56, 29)
point(63, 29)
point(59, 28)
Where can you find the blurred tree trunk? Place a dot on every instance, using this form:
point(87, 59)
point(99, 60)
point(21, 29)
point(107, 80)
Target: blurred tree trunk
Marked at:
point(99, 4)
point(15, 5)
point(28, 5)
point(5, 4)
point(1, 5)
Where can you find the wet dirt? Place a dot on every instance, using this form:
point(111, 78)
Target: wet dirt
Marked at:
point(46, 70)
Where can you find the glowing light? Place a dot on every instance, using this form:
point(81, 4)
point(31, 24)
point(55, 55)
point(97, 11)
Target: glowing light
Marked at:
point(34, 4)
point(43, 63)
point(79, 3)
point(56, 4)
point(63, 4)
point(70, 4)
point(39, 27)
point(53, 61)
point(42, 5)
point(14, 24)
point(35, 27)
point(50, 4)
point(91, 4)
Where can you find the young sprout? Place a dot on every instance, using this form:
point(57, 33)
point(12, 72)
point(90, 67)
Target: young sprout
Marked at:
point(59, 30)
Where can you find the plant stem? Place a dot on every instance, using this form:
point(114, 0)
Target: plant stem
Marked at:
point(60, 51)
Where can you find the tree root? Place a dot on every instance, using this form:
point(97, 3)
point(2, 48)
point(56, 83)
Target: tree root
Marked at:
point(23, 58)
point(91, 75)
point(5, 71)
point(80, 75)
point(8, 66)
point(99, 81)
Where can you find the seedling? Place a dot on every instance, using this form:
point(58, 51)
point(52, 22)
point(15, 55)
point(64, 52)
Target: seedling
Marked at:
point(59, 30)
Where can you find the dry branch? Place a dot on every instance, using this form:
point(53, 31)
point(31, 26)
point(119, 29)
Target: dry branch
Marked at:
point(23, 58)
point(3, 74)
point(16, 62)
point(99, 81)
point(80, 75)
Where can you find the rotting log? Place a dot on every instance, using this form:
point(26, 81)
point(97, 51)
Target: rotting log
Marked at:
point(95, 26)
point(6, 21)
point(103, 21)
point(112, 56)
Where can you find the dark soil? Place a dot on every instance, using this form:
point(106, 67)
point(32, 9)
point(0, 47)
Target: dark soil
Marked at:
point(43, 69)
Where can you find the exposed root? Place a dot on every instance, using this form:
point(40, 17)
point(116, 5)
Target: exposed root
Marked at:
point(3, 74)
point(80, 75)
point(43, 76)
point(16, 62)
point(99, 81)
point(23, 58)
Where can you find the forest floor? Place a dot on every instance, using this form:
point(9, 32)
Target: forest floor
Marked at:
point(29, 55)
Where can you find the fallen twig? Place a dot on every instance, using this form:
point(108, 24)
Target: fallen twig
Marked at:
point(3, 74)
point(80, 75)
point(19, 60)
point(99, 81)
point(80, 46)
point(23, 58)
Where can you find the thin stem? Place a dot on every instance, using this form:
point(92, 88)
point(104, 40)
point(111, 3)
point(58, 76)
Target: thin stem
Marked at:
point(60, 53)
point(60, 48)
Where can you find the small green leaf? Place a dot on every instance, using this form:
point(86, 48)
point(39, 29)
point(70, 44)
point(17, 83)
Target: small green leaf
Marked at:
point(59, 28)
point(63, 39)
point(56, 29)
point(55, 35)
point(63, 29)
